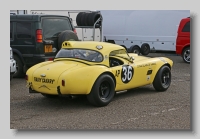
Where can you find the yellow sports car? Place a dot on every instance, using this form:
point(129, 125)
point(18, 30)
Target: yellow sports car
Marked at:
point(98, 70)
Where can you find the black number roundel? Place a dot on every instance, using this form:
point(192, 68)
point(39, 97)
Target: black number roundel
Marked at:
point(127, 73)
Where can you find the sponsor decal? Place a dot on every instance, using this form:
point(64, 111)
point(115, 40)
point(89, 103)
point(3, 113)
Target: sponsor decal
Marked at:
point(117, 73)
point(146, 65)
point(43, 80)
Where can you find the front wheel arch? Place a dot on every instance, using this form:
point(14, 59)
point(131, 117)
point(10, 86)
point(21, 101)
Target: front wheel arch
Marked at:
point(162, 79)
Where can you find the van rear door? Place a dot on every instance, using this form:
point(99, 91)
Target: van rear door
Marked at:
point(51, 28)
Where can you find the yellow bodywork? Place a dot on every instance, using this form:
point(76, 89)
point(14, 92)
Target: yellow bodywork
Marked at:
point(79, 76)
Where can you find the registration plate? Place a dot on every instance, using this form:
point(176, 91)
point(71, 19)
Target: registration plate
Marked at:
point(48, 48)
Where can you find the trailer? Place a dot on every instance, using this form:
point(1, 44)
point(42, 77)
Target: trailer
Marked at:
point(142, 31)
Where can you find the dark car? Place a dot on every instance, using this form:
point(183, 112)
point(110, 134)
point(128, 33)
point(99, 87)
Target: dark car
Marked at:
point(183, 39)
point(37, 38)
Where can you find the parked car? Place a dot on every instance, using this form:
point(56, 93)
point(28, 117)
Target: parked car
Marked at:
point(12, 64)
point(183, 39)
point(98, 70)
point(37, 38)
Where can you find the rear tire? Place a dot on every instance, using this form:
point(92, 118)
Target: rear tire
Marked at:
point(67, 35)
point(102, 91)
point(162, 80)
point(19, 68)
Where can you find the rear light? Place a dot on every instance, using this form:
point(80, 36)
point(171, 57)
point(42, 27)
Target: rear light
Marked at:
point(26, 77)
point(39, 35)
point(75, 31)
point(49, 59)
point(63, 82)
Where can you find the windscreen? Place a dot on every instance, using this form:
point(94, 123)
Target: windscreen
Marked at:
point(120, 53)
point(53, 26)
point(83, 54)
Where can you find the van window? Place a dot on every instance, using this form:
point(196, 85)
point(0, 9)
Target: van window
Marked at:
point(186, 28)
point(23, 30)
point(53, 26)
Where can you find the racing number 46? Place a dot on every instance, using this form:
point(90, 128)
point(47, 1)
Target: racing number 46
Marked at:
point(127, 73)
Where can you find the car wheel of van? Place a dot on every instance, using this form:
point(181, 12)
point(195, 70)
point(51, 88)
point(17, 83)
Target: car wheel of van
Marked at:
point(67, 35)
point(136, 49)
point(19, 67)
point(162, 80)
point(49, 96)
point(102, 91)
point(79, 18)
point(186, 55)
point(145, 49)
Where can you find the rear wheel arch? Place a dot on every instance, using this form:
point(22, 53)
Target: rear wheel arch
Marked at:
point(103, 90)
point(108, 73)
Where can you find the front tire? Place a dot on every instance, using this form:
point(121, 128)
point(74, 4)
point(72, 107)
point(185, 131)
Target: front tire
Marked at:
point(162, 80)
point(186, 55)
point(102, 91)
